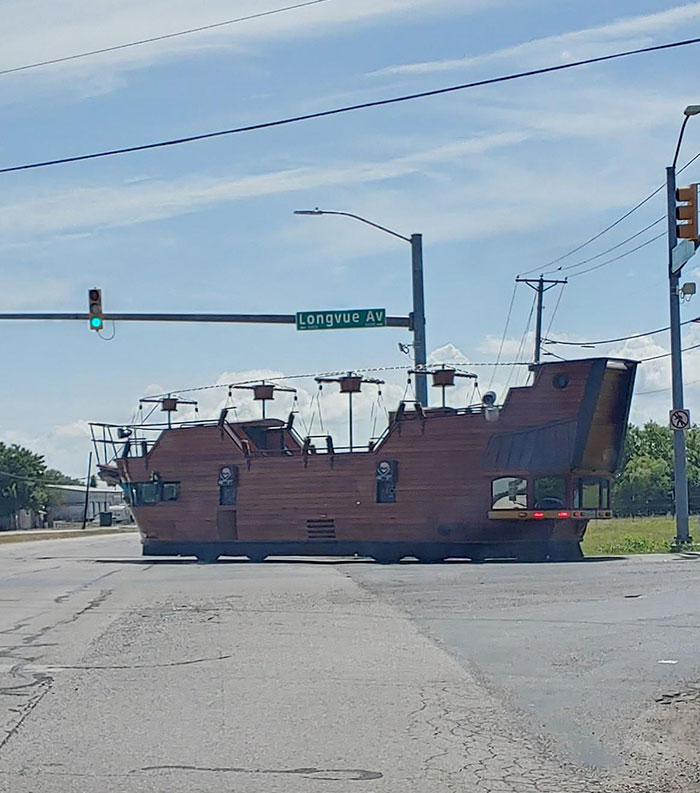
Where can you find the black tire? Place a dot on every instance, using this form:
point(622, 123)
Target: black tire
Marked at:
point(386, 559)
point(533, 552)
point(208, 557)
point(565, 551)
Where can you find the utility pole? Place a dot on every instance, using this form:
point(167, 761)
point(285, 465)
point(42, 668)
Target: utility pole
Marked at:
point(420, 358)
point(540, 285)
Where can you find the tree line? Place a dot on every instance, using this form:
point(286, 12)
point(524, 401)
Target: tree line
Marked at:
point(24, 480)
point(644, 483)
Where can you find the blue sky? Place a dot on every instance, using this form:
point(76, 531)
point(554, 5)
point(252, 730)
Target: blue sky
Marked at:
point(499, 180)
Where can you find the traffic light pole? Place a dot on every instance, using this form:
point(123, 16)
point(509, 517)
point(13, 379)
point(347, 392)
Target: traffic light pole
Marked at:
point(680, 477)
point(267, 319)
point(540, 285)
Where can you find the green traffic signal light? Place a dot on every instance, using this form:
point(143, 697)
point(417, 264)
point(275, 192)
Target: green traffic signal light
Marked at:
point(96, 323)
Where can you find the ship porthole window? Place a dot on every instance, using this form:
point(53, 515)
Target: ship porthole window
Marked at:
point(560, 380)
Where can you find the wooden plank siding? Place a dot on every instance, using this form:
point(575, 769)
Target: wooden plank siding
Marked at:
point(443, 490)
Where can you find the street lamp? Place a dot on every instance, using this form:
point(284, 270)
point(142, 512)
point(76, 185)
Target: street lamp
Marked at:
point(418, 313)
point(674, 273)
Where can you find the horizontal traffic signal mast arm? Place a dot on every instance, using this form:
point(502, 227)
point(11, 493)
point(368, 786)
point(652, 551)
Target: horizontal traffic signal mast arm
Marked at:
point(272, 319)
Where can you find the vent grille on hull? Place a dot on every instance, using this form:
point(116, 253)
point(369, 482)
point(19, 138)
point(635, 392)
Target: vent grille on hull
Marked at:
point(320, 529)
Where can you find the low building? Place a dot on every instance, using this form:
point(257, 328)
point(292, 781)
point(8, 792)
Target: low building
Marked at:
point(70, 503)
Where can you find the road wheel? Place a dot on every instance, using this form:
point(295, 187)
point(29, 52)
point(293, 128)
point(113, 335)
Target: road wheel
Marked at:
point(567, 551)
point(533, 552)
point(207, 557)
point(386, 559)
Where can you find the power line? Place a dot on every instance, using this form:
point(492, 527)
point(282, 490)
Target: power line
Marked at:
point(619, 338)
point(556, 308)
point(505, 331)
point(611, 226)
point(347, 108)
point(667, 354)
point(607, 250)
point(660, 390)
point(152, 39)
point(617, 258)
point(522, 341)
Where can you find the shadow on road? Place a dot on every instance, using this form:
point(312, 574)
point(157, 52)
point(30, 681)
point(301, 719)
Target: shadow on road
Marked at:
point(296, 560)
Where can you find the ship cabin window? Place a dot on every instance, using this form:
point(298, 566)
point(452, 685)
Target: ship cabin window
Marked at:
point(171, 491)
point(145, 494)
point(592, 492)
point(509, 492)
point(550, 492)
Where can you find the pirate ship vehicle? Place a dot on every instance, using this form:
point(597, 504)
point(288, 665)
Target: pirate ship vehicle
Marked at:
point(520, 479)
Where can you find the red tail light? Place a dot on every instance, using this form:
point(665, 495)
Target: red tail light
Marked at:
point(563, 515)
point(538, 515)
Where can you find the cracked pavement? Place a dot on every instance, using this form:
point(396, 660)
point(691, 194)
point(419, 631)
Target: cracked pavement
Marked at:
point(129, 675)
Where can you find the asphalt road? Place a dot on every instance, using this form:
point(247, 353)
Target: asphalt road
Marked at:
point(125, 674)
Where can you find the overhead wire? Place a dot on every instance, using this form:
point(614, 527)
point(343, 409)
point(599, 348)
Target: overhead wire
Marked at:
point(646, 199)
point(607, 250)
point(619, 338)
point(505, 332)
point(349, 108)
point(617, 258)
point(660, 390)
point(522, 341)
point(152, 39)
point(556, 308)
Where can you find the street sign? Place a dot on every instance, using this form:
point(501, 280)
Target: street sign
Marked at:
point(682, 252)
point(679, 419)
point(347, 318)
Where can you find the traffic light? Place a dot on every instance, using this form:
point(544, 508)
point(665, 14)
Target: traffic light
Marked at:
point(95, 306)
point(687, 212)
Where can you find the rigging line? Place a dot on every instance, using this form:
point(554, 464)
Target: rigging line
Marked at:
point(619, 338)
point(617, 258)
point(152, 39)
point(659, 390)
point(349, 108)
point(607, 250)
point(505, 331)
point(612, 225)
point(666, 354)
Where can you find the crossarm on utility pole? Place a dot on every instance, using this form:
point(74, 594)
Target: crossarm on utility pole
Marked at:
point(540, 285)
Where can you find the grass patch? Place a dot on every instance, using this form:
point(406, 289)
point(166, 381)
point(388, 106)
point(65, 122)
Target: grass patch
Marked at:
point(633, 535)
point(59, 535)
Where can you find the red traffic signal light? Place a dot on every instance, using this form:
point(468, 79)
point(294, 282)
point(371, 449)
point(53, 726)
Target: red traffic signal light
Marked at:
point(688, 213)
point(95, 309)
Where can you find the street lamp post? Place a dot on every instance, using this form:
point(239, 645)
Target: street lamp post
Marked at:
point(418, 313)
point(674, 273)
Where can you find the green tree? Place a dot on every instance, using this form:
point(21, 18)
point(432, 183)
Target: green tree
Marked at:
point(22, 483)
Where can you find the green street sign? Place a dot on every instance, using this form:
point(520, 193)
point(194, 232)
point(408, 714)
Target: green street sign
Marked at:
point(347, 318)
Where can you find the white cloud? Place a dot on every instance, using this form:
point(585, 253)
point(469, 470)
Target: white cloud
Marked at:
point(87, 208)
point(44, 30)
point(625, 33)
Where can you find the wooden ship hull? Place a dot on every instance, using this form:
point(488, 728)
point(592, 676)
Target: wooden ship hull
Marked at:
point(520, 480)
